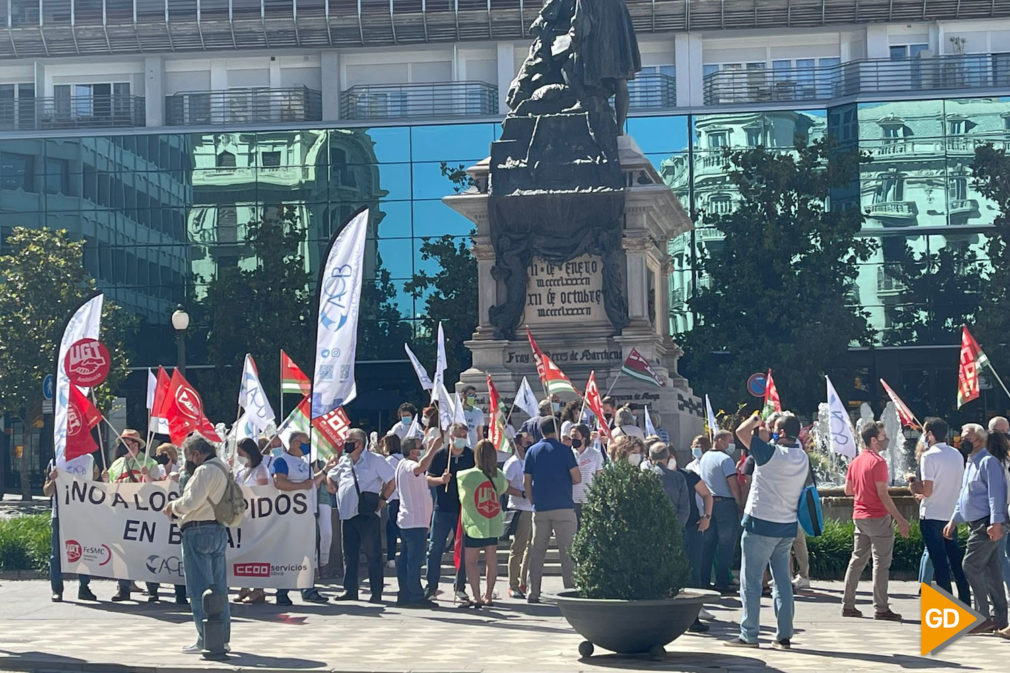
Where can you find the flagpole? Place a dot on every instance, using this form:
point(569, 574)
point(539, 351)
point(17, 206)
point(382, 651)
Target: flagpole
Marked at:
point(1001, 384)
point(147, 447)
point(614, 382)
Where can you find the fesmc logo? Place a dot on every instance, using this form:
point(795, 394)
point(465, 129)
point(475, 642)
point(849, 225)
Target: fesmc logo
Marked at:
point(486, 500)
point(188, 401)
point(76, 552)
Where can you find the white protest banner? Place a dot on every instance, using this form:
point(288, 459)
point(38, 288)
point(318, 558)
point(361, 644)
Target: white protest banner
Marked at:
point(85, 323)
point(422, 375)
point(337, 329)
point(252, 398)
point(119, 530)
point(842, 440)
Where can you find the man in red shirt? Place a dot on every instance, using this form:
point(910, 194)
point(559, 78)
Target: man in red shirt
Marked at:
point(875, 515)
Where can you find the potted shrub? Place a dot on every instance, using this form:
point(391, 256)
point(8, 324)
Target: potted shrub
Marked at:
point(630, 568)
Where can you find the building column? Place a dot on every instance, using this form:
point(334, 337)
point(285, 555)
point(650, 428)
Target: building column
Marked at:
point(506, 72)
point(688, 58)
point(329, 62)
point(154, 91)
point(877, 45)
point(637, 270)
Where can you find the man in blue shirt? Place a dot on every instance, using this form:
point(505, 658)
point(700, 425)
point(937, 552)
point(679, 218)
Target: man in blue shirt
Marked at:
point(549, 474)
point(769, 526)
point(982, 504)
point(718, 471)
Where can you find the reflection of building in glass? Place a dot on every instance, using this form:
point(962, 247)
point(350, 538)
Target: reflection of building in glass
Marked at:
point(124, 196)
point(319, 177)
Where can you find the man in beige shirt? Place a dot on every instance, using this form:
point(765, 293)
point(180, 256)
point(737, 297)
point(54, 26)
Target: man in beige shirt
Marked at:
point(204, 540)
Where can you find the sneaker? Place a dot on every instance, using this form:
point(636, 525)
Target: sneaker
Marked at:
point(430, 593)
point(516, 594)
point(783, 644)
point(85, 594)
point(739, 642)
point(705, 614)
point(461, 595)
point(57, 598)
point(800, 583)
point(227, 648)
point(195, 648)
point(390, 563)
point(698, 627)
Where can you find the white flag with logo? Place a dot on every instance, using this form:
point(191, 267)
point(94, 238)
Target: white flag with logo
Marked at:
point(252, 398)
point(422, 375)
point(526, 400)
point(843, 442)
point(713, 425)
point(85, 323)
point(337, 329)
point(650, 429)
point(244, 428)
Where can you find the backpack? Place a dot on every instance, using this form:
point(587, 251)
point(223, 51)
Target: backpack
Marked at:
point(811, 519)
point(230, 510)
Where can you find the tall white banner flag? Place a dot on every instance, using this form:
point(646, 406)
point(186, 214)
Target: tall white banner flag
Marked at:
point(252, 398)
point(526, 400)
point(457, 410)
point(650, 429)
point(422, 375)
point(152, 386)
point(842, 440)
point(337, 329)
point(85, 323)
point(713, 425)
point(440, 363)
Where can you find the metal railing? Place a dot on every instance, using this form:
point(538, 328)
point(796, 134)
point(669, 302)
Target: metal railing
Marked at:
point(950, 72)
point(243, 106)
point(652, 91)
point(72, 112)
point(415, 101)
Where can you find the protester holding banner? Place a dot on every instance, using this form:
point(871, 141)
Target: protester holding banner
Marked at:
point(252, 470)
point(413, 519)
point(405, 415)
point(82, 467)
point(480, 491)
point(292, 472)
point(446, 464)
point(171, 462)
point(204, 540)
point(364, 482)
point(522, 521)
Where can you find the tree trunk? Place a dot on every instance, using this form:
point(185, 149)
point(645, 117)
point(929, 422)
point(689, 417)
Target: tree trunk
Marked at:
point(26, 482)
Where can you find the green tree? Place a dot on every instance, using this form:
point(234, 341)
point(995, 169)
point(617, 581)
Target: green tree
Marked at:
point(259, 311)
point(381, 328)
point(777, 290)
point(450, 297)
point(42, 281)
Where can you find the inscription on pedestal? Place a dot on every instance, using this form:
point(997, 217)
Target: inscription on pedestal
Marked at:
point(570, 292)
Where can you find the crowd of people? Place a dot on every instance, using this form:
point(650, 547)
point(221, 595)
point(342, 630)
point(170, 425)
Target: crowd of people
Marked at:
point(451, 490)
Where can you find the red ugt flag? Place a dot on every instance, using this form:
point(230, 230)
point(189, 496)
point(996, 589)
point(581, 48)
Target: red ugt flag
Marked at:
point(595, 403)
point(82, 417)
point(972, 359)
point(183, 409)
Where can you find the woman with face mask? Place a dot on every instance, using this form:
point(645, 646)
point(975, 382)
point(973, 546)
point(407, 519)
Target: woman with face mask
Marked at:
point(625, 423)
point(251, 472)
point(627, 449)
point(590, 462)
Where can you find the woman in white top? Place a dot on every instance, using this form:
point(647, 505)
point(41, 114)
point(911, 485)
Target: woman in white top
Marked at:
point(251, 473)
point(389, 446)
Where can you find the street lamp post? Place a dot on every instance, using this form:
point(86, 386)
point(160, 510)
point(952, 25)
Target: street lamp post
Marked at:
point(180, 321)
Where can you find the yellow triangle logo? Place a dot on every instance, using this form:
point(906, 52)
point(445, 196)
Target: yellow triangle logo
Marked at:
point(944, 618)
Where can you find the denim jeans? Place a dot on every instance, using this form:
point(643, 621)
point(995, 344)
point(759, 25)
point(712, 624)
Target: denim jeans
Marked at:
point(723, 534)
point(442, 523)
point(408, 564)
point(946, 558)
point(694, 543)
point(55, 561)
point(392, 530)
point(925, 568)
point(1006, 563)
point(203, 559)
point(758, 552)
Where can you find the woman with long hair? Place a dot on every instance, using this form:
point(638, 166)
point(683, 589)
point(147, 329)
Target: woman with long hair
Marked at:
point(480, 491)
point(390, 447)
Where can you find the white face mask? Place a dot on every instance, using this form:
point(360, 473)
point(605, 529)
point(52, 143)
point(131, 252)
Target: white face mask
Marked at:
point(635, 458)
point(730, 449)
point(424, 421)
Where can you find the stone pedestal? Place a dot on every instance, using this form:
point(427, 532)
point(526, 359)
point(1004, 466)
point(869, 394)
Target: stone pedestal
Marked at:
point(565, 305)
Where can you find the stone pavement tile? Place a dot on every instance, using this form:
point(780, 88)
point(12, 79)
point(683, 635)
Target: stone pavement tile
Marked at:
point(511, 637)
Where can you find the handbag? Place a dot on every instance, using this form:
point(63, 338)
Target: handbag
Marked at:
point(809, 514)
point(368, 502)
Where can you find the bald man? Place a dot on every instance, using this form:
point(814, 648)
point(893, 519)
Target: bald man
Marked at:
point(999, 424)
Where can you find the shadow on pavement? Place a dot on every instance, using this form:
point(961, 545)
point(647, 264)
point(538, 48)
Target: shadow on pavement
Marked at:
point(45, 661)
point(902, 660)
point(681, 661)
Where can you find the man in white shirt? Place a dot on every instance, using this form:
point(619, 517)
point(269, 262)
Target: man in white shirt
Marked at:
point(474, 416)
point(942, 469)
point(519, 551)
point(413, 518)
point(204, 540)
point(361, 477)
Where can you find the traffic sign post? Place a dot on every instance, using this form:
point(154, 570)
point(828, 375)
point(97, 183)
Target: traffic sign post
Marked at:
point(756, 384)
point(48, 387)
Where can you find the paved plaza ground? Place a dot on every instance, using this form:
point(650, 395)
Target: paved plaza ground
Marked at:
point(511, 637)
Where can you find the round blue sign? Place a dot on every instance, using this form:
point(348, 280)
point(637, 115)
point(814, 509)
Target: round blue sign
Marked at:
point(48, 384)
point(756, 385)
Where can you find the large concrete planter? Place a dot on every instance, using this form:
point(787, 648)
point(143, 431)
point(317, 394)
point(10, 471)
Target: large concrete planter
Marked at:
point(632, 627)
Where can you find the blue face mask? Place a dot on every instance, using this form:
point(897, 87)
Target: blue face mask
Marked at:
point(306, 448)
point(277, 452)
point(556, 406)
point(405, 420)
point(696, 451)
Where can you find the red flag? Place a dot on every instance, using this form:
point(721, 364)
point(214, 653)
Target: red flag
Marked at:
point(551, 376)
point(293, 379)
point(595, 404)
point(457, 547)
point(905, 414)
point(183, 409)
point(637, 367)
point(82, 417)
point(333, 426)
point(158, 422)
point(772, 402)
point(972, 359)
point(496, 429)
